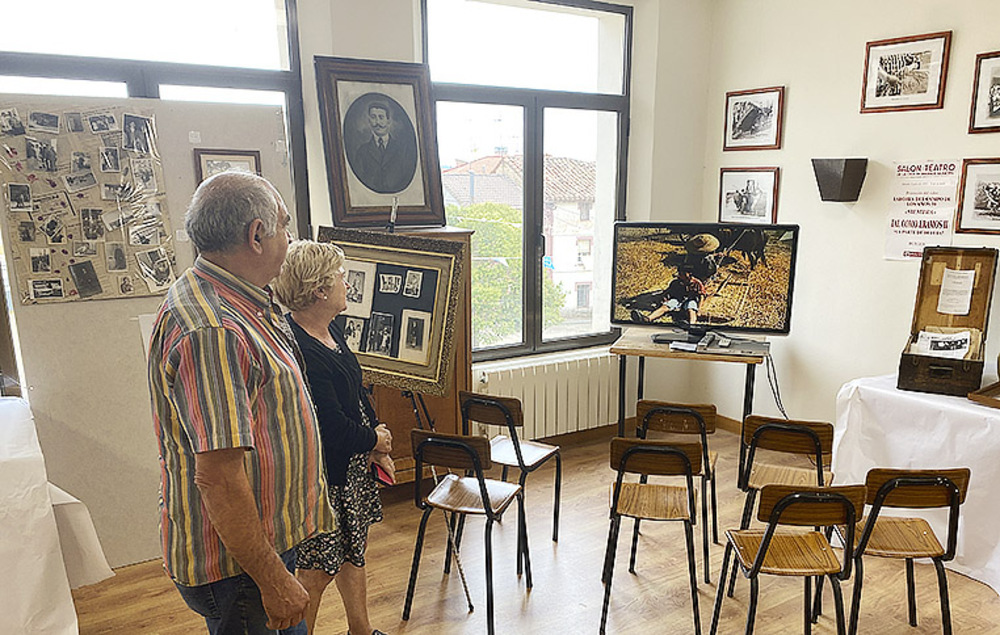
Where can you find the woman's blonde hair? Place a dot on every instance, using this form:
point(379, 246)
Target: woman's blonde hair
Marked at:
point(309, 266)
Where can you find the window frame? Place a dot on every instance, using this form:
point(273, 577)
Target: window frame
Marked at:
point(534, 102)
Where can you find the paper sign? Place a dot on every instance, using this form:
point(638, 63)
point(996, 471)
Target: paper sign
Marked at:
point(956, 291)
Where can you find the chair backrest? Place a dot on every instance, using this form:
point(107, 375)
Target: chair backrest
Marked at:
point(676, 418)
point(490, 409)
point(455, 451)
point(810, 507)
point(813, 439)
point(658, 458)
point(917, 489)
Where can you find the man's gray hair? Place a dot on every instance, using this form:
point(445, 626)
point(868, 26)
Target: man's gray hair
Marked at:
point(224, 205)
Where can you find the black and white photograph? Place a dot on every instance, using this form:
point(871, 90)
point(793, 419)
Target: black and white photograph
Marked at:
point(74, 122)
point(353, 328)
point(80, 162)
point(144, 175)
point(115, 219)
point(125, 285)
point(102, 122)
point(85, 279)
point(979, 197)
point(380, 334)
point(19, 197)
point(381, 143)
point(748, 195)
point(137, 133)
point(152, 209)
point(415, 326)
point(110, 160)
point(144, 234)
point(414, 282)
point(360, 279)
point(26, 231)
point(906, 73)
point(10, 123)
point(985, 113)
point(41, 260)
point(53, 203)
point(389, 283)
point(53, 227)
point(209, 162)
point(84, 248)
point(47, 122)
point(115, 258)
point(111, 191)
point(111, 139)
point(92, 223)
point(754, 119)
point(46, 289)
point(79, 181)
point(154, 265)
point(41, 154)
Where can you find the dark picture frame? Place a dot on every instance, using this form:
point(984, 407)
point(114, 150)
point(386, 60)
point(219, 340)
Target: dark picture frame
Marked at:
point(978, 210)
point(754, 119)
point(362, 102)
point(906, 73)
point(748, 195)
point(209, 162)
point(406, 341)
point(984, 112)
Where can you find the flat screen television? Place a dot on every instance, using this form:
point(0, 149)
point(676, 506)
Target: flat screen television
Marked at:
point(704, 276)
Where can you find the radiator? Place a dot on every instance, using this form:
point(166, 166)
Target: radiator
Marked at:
point(559, 394)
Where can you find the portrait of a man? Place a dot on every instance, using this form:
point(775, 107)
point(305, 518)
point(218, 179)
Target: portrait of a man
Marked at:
point(380, 143)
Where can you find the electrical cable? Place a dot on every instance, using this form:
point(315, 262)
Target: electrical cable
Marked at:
point(772, 380)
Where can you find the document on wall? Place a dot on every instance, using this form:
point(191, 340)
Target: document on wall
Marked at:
point(922, 208)
point(955, 297)
point(950, 345)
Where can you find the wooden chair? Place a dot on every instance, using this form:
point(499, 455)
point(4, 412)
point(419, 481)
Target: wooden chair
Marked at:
point(811, 441)
point(652, 501)
point(909, 538)
point(464, 495)
point(677, 420)
point(510, 451)
point(795, 553)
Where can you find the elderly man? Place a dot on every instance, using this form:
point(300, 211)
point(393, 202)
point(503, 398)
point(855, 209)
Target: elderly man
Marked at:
point(241, 465)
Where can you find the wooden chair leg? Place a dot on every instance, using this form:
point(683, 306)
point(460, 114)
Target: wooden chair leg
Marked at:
point(859, 578)
point(943, 592)
point(555, 504)
point(838, 604)
point(489, 576)
point(911, 594)
point(610, 569)
point(416, 562)
point(720, 592)
point(693, 574)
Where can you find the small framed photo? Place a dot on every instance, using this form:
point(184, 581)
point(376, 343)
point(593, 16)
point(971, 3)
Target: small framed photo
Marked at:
point(979, 197)
point(906, 73)
point(985, 113)
point(748, 195)
point(211, 162)
point(753, 119)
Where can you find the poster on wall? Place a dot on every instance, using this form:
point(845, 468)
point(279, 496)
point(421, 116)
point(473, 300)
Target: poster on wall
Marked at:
point(922, 207)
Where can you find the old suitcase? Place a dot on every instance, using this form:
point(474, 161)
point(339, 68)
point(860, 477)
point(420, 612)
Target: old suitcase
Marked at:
point(953, 298)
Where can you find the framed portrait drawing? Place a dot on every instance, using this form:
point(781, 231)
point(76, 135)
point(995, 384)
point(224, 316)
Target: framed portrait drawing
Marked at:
point(210, 162)
point(753, 119)
point(984, 115)
point(748, 195)
point(380, 142)
point(906, 73)
point(979, 197)
point(402, 294)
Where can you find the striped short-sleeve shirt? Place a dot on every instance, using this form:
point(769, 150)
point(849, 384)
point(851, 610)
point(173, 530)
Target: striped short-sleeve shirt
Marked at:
point(224, 373)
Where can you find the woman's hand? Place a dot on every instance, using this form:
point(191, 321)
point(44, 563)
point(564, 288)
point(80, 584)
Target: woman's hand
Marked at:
point(384, 443)
point(386, 463)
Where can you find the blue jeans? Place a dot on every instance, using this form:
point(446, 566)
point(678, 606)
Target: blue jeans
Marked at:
point(233, 606)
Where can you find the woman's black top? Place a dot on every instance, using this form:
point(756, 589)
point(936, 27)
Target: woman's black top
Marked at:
point(335, 383)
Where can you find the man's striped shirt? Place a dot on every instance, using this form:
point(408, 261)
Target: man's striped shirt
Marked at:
point(224, 373)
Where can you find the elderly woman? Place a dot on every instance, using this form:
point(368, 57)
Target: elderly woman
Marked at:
point(311, 285)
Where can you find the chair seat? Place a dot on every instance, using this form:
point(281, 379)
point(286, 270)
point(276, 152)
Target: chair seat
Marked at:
point(652, 501)
point(462, 495)
point(790, 553)
point(502, 452)
point(765, 474)
point(900, 538)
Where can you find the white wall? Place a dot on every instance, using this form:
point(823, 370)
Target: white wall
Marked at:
point(852, 309)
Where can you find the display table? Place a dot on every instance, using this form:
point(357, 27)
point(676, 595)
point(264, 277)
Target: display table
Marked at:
point(81, 550)
point(880, 426)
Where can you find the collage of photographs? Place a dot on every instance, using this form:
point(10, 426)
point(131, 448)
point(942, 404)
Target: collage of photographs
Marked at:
point(84, 201)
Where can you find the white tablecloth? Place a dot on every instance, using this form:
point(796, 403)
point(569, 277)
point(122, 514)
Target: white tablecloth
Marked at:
point(880, 426)
point(81, 550)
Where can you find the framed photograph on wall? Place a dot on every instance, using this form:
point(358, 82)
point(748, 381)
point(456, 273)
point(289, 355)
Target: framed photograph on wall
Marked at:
point(984, 115)
point(753, 119)
point(979, 197)
point(210, 162)
point(748, 195)
point(906, 73)
point(380, 142)
point(402, 294)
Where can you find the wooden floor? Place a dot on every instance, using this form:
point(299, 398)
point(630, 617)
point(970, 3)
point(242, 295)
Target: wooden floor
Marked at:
point(567, 592)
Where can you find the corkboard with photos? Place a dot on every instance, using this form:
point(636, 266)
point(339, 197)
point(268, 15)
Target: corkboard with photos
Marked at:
point(83, 203)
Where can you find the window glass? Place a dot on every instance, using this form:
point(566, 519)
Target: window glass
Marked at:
point(541, 46)
point(70, 87)
point(222, 95)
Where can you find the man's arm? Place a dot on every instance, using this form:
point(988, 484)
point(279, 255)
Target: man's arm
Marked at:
point(225, 490)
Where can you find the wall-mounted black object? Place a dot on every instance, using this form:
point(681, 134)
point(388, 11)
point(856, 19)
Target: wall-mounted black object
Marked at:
point(840, 179)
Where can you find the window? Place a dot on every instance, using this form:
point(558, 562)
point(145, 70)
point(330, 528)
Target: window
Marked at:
point(532, 142)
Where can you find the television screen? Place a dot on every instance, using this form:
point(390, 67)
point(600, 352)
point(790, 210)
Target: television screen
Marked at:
point(703, 276)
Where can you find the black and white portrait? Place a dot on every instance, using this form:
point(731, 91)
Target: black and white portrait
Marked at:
point(753, 119)
point(155, 268)
point(19, 197)
point(125, 285)
point(84, 248)
point(74, 122)
point(145, 234)
point(414, 281)
point(41, 261)
point(144, 175)
point(92, 223)
point(26, 231)
point(79, 181)
point(415, 326)
point(987, 198)
point(110, 161)
point(43, 122)
point(80, 162)
point(10, 123)
point(353, 329)
point(41, 154)
point(380, 334)
point(355, 286)
point(53, 227)
point(46, 289)
point(114, 255)
point(360, 279)
point(380, 142)
point(136, 133)
point(747, 195)
point(111, 191)
point(389, 283)
point(102, 122)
